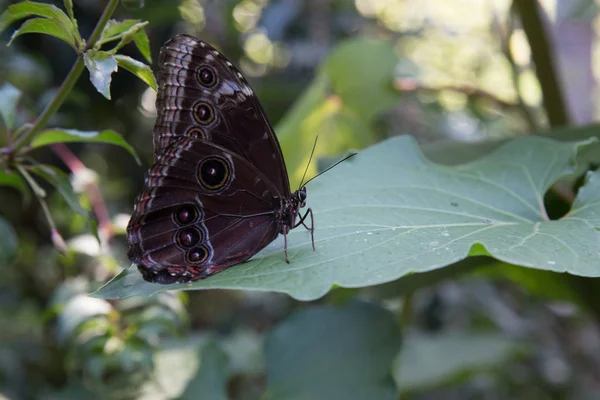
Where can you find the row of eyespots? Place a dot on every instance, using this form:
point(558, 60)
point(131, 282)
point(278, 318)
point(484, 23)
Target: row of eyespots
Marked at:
point(214, 173)
point(190, 236)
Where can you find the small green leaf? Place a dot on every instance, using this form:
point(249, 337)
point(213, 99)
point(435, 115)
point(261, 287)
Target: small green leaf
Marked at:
point(15, 180)
point(114, 29)
point(69, 7)
point(143, 44)
point(26, 9)
point(333, 353)
point(8, 242)
point(47, 27)
point(430, 360)
point(139, 69)
point(101, 65)
point(57, 135)
point(60, 181)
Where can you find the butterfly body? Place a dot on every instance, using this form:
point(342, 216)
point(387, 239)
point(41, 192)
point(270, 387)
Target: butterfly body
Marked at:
point(218, 190)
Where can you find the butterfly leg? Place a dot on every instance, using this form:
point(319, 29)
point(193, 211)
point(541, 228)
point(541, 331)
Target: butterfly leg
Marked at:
point(285, 232)
point(312, 225)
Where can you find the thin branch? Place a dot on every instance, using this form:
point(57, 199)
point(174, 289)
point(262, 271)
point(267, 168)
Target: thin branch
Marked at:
point(544, 59)
point(40, 193)
point(412, 85)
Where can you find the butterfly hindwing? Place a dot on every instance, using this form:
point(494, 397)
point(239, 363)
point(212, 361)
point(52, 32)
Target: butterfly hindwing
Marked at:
point(201, 210)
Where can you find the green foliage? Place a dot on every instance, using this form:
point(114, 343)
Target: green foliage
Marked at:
point(406, 216)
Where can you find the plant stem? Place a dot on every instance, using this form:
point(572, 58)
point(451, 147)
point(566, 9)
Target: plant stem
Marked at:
point(68, 83)
point(37, 189)
point(544, 60)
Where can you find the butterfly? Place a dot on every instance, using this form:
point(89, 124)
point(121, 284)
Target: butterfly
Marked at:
point(218, 190)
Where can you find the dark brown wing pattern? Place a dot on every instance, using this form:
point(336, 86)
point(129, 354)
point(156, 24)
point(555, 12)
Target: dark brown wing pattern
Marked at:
point(202, 210)
point(202, 94)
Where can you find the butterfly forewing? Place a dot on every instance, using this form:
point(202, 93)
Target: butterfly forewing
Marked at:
point(201, 94)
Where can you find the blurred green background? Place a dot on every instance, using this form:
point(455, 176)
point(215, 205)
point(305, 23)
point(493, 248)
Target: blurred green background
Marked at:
point(452, 73)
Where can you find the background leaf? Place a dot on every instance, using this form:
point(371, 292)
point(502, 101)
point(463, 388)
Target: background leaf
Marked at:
point(333, 353)
point(400, 213)
point(60, 181)
point(365, 83)
point(210, 380)
point(430, 360)
point(9, 97)
point(101, 65)
point(193, 368)
point(107, 136)
point(15, 181)
point(8, 242)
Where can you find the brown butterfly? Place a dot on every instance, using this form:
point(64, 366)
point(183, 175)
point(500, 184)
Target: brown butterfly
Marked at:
point(218, 191)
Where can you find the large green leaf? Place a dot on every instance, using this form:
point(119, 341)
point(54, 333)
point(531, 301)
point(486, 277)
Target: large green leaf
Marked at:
point(9, 97)
point(431, 360)
point(333, 353)
point(57, 135)
point(8, 242)
point(100, 65)
point(389, 212)
point(60, 181)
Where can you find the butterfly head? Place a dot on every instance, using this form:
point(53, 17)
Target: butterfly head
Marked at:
point(300, 196)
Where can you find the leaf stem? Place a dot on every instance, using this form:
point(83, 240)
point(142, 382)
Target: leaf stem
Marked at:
point(37, 189)
point(68, 83)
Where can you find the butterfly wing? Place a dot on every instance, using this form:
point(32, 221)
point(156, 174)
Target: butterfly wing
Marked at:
point(202, 209)
point(201, 94)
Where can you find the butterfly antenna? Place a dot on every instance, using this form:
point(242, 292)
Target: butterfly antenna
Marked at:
point(309, 160)
point(331, 166)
